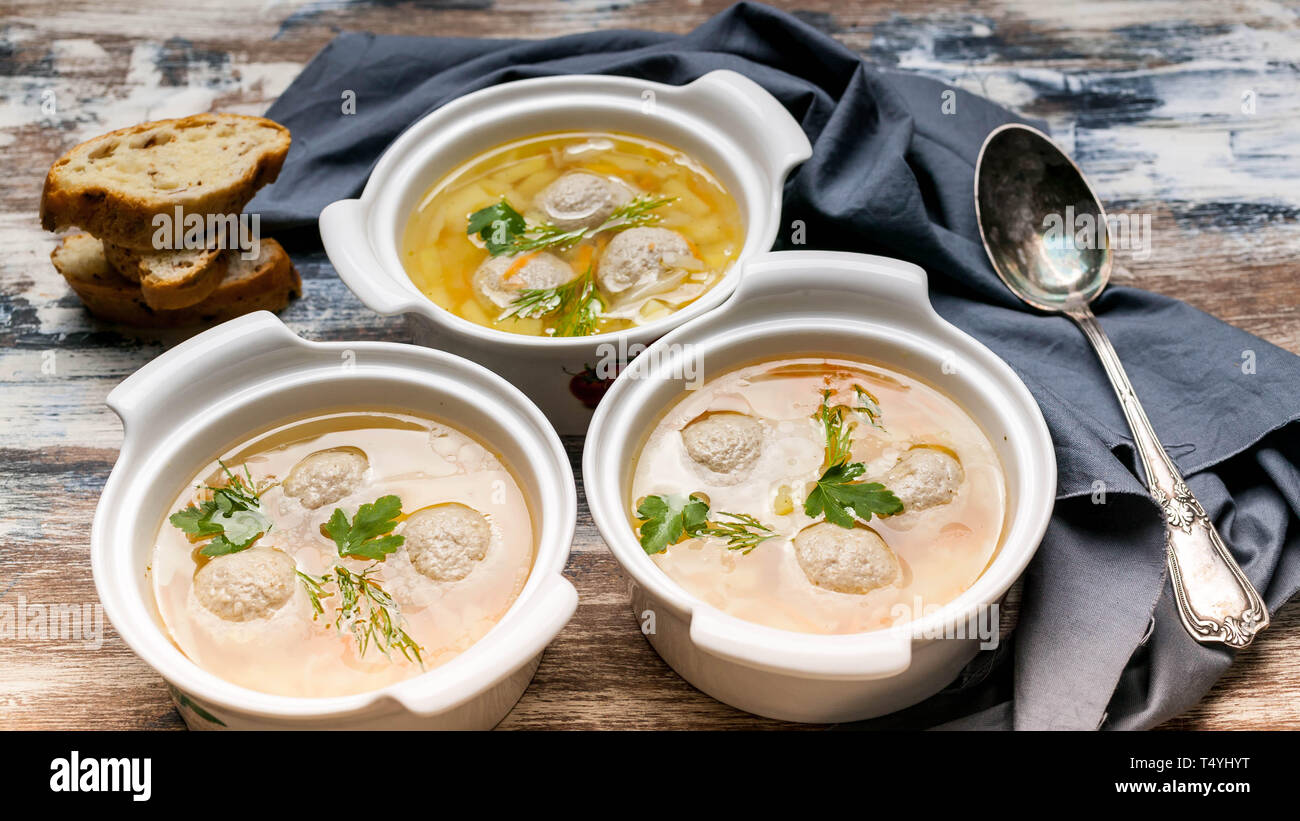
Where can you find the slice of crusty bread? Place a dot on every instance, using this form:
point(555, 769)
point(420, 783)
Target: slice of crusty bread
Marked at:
point(114, 185)
point(266, 283)
point(169, 279)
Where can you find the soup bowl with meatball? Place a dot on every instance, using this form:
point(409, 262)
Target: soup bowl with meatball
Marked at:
point(550, 228)
point(821, 491)
point(333, 535)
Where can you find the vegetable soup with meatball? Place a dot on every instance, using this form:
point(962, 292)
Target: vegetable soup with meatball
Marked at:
point(341, 553)
point(571, 234)
point(819, 494)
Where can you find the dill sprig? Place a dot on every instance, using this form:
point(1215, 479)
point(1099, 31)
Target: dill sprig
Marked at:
point(839, 442)
point(743, 532)
point(504, 230)
point(577, 305)
point(581, 317)
point(370, 615)
point(315, 589)
point(868, 406)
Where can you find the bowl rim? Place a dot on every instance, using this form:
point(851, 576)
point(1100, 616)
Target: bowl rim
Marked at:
point(1027, 524)
point(503, 101)
point(490, 659)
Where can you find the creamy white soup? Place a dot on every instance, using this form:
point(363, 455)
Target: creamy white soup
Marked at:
point(341, 553)
point(819, 494)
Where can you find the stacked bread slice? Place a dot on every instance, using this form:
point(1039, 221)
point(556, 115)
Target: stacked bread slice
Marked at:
point(144, 195)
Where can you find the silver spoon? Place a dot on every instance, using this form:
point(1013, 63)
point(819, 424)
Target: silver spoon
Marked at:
point(1029, 200)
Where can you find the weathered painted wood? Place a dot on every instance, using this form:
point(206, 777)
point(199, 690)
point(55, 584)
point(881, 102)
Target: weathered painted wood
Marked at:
point(1148, 96)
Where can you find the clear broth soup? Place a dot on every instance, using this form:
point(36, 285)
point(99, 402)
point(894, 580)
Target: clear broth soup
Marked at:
point(687, 234)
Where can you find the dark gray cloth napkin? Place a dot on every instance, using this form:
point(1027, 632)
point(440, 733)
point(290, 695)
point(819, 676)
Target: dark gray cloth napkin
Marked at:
point(1099, 642)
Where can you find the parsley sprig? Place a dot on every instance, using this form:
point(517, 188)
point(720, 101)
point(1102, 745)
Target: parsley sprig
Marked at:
point(369, 535)
point(666, 520)
point(365, 609)
point(505, 231)
point(577, 305)
point(232, 517)
point(836, 494)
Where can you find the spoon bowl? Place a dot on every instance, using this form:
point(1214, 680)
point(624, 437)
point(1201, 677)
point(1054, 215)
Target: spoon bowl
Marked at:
point(1043, 226)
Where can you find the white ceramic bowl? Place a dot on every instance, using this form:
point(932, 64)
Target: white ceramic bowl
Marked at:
point(722, 119)
point(791, 303)
point(248, 374)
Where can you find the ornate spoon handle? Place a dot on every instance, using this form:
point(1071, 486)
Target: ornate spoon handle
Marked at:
point(1215, 599)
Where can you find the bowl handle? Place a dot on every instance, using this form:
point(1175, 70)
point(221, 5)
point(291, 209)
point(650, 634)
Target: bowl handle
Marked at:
point(343, 232)
point(829, 282)
point(541, 621)
point(167, 382)
point(876, 655)
point(733, 99)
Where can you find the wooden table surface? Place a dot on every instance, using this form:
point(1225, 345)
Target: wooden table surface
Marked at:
point(1185, 110)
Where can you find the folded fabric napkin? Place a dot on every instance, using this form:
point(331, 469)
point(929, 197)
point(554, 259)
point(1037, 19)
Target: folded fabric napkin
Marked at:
point(1099, 642)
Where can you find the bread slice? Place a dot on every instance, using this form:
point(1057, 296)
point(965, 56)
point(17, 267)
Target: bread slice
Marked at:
point(114, 185)
point(169, 279)
point(263, 284)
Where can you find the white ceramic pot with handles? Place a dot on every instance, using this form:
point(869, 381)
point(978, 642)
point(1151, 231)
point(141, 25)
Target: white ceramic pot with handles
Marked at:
point(787, 304)
point(246, 375)
point(724, 120)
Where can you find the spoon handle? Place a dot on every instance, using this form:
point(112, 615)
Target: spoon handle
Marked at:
point(1215, 599)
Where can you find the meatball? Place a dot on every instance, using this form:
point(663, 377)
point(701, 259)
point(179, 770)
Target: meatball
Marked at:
point(250, 584)
point(326, 476)
point(447, 542)
point(639, 257)
point(924, 477)
point(498, 281)
point(581, 200)
point(723, 442)
point(844, 559)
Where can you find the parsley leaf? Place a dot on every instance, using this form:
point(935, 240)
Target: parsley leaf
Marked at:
point(499, 226)
point(195, 521)
point(836, 495)
point(364, 537)
point(666, 519)
point(233, 516)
